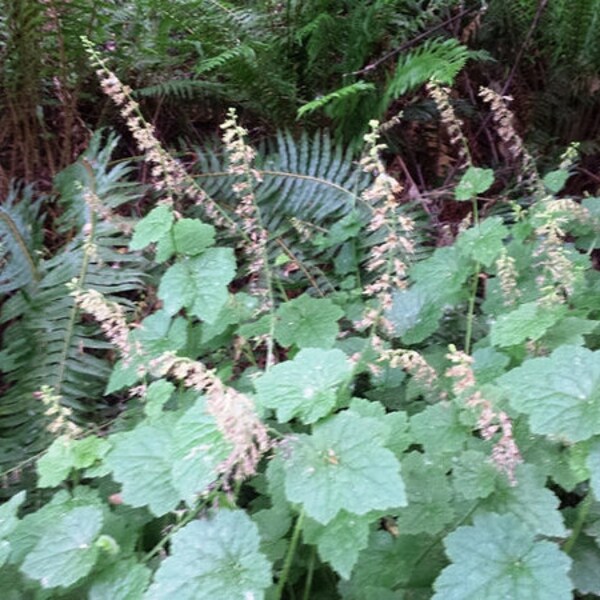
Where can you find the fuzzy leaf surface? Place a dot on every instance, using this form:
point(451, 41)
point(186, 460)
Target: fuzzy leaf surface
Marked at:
point(66, 553)
point(214, 559)
point(341, 541)
point(527, 322)
point(169, 460)
point(560, 393)
point(65, 454)
point(199, 284)
point(192, 237)
point(307, 322)
point(529, 500)
point(475, 181)
point(343, 466)
point(483, 242)
point(8, 514)
point(429, 496)
point(305, 387)
point(413, 316)
point(498, 558)
point(124, 580)
point(152, 227)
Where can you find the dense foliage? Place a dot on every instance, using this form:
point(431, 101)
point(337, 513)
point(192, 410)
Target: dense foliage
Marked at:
point(302, 363)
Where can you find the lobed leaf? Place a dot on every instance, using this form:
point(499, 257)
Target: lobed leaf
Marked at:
point(305, 387)
point(214, 559)
point(498, 557)
point(342, 466)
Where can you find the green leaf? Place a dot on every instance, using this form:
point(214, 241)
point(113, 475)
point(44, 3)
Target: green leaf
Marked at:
point(8, 514)
point(158, 333)
point(441, 277)
point(192, 237)
point(568, 331)
point(214, 559)
point(429, 496)
point(346, 228)
point(555, 180)
point(394, 425)
point(169, 460)
point(340, 541)
point(55, 466)
point(585, 572)
point(393, 563)
point(66, 553)
point(439, 430)
point(307, 322)
point(413, 315)
point(497, 558)
point(483, 242)
point(528, 322)
point(475, 181)
point(124, 580)
point(529, 500)
point(88, 450)
point(152, 227)
point(305, 387)
point(342, 466)
point(199, 284)
point(559, 393)
point(66, 454)
point(473, 475)
point(156, 396)
point(273, 525)
point(489, 364)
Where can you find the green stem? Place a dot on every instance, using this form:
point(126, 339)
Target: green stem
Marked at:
point(190, 516)
point(289, 557)
point(582, 513)
point(473, 294)
point(471, 310)
point(309, 575)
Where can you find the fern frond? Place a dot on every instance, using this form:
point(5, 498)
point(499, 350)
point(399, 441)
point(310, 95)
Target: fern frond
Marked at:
point(244, 52)
point(340, 94)
point(308, 184)
point(19, 239)
point(47, 341)
point(436, 59)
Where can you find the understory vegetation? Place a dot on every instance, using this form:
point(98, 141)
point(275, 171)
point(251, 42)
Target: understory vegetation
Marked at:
point(300, 300)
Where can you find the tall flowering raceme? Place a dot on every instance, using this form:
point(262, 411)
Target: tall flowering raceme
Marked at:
point(387, 258)
point(515, 148)
point(241, 157)
point(490, 422)
point(558, 274)
point(441, 97)
point(168, 175)
point(234, 414)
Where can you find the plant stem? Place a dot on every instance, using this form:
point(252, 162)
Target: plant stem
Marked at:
point(289, 557)
point(190, 516)
point(582, 513)
point(471, 310)
point(473, 294)
point(309, 575)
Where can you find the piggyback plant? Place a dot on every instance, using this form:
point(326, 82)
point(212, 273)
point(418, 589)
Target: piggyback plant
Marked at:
point(426, 428)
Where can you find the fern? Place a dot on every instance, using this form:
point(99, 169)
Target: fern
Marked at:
point(308, 185)
point(20, 229)
point(436, 59)
point(46, 342)
point(337, 95)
